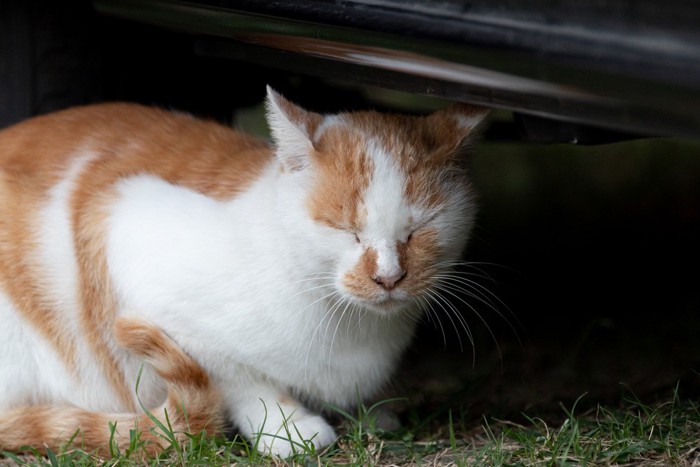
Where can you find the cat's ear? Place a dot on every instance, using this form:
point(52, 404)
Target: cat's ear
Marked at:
point(292, 130)
point(458, 124)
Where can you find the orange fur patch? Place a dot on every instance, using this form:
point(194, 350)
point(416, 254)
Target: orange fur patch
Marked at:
point(426, 149)
point(193, 405)
point(27, 172)
point(417, 257)
point(171, 363)
point(358, 280)
point(344, 174)
point(126, 140)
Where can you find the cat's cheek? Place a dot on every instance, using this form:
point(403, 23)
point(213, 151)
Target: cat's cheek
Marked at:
point(336, 245)
point(355, 277)
point(452, 242)
point(358, 287)
point(420, 258)
point(346, 263)
point(456, 225)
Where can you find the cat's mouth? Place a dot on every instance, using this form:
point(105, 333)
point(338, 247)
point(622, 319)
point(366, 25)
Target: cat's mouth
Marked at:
point(377, 298)
point(388, 302)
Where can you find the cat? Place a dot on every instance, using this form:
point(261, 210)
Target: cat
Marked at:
point(260, 282)
point(192, 403)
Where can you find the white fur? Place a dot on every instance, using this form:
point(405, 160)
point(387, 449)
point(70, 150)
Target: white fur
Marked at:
point(294, 136)
point(389, 215)
point(222, 280)
point(22, 369)
point(31, 371)
point(55, 258)
point(469, 122)
point(249, 287)
point(55, 253)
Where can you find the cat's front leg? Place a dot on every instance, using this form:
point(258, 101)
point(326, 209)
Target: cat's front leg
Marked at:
point(275, 423)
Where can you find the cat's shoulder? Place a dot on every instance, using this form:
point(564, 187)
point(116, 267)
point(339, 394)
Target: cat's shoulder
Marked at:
point(90, 116)
point(118, 139)
point(124, 119)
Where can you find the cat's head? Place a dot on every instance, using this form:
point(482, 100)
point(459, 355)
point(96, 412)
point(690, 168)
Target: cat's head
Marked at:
point(387, 195)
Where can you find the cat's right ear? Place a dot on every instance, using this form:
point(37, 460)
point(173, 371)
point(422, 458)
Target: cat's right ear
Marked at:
point(292, 130)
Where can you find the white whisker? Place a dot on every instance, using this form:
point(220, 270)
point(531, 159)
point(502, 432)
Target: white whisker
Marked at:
point(318, 300)
point(427, 307)
point(476, 291)
point(442, 302)
point(335, 332)
point(458, 281)
point(333, 302)
point(473, 310)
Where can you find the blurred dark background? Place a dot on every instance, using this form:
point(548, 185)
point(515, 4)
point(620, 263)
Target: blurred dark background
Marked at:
point(591, 251)
point(594, 252)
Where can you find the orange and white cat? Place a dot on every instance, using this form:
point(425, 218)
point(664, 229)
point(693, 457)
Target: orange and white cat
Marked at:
point(292, 275)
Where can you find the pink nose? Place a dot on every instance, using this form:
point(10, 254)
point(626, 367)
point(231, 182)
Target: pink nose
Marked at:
point(389, 282)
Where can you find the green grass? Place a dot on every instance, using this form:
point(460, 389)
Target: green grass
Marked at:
point(665, 433)
point(632, 433)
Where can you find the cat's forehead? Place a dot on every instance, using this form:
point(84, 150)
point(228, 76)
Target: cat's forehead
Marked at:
point(387, 208)
point(395, 133)
point(368, 180)
point(409, 145)
point(418, 145)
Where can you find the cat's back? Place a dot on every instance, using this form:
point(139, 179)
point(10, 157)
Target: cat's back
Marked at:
point(57, 171)
point(115, 140)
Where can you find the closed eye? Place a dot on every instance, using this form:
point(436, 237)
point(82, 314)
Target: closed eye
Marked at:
point(346, 229)
point(421, 224)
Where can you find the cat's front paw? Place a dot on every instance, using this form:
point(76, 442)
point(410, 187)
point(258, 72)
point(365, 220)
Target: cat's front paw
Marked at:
point(296, 435)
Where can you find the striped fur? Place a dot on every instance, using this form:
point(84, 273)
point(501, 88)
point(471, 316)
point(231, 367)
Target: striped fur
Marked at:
point(192, 405)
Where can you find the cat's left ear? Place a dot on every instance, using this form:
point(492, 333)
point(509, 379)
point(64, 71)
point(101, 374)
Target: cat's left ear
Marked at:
point(292, 130)
point(459, 124)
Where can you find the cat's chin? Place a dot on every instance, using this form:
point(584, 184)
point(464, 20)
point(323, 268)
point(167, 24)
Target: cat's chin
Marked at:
point(387, 305)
